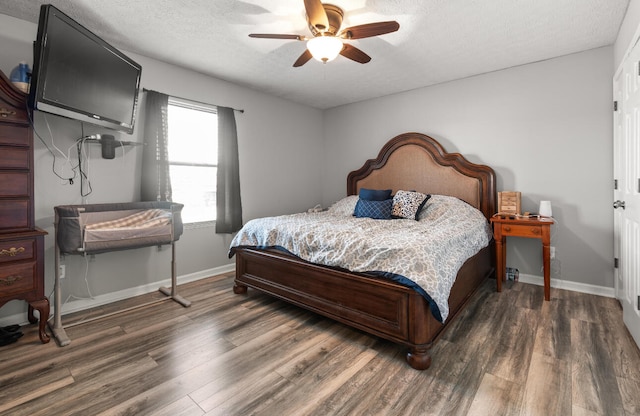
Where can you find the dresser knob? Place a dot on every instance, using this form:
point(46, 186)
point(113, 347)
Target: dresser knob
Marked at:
point(6, 113)
point(535, 231)
point(9, 280)
point(12, 251)
point(507, 228)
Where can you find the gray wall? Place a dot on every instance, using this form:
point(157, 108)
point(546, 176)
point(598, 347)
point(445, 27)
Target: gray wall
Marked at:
point(546, 128)
point(280, 145)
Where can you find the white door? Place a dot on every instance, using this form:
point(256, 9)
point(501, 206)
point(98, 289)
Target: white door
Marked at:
point(626, 195)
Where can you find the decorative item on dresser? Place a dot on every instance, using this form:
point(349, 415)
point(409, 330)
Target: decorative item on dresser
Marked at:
point(21, 243)
point(377, 305)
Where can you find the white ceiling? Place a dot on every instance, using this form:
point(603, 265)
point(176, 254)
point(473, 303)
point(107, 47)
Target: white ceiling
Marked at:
point(438, 40)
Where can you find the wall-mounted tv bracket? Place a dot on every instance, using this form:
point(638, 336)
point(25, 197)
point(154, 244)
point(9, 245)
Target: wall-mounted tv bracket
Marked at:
point(109, 144)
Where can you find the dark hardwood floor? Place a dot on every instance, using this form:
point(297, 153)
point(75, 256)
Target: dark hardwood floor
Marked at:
point(508, 353)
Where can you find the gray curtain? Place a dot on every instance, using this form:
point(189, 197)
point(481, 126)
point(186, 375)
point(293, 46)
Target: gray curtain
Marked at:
point(156, 183)
point(228, 202)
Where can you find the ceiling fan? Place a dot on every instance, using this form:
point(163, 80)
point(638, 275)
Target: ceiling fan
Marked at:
point(327, 42)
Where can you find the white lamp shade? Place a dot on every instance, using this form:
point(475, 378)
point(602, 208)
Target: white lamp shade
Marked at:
point(545, 209)
point(324, 48)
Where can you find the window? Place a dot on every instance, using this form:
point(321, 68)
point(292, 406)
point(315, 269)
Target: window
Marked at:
point(193, 158)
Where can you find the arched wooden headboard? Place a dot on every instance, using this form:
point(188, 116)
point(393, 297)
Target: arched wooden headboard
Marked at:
point(414, 161)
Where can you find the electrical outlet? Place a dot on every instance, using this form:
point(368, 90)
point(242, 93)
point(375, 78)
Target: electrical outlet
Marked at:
point(61, 270)
point(552, 252)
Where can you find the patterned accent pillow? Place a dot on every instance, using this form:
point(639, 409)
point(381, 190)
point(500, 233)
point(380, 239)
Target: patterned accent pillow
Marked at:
point(344, 206)
point(408, 204)
point(378, 210)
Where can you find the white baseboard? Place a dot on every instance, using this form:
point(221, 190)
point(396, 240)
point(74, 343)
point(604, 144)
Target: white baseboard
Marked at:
point(83, 304)
point(568, 285)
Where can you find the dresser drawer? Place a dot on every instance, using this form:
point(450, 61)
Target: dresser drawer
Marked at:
point(14, 134)
point(17, 250)
point(17, 278)
point(15, 215)
point(15, 157)
point(14, 184)
point(522, 230)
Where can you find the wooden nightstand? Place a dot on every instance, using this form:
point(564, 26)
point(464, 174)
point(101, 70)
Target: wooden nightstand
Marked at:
point(540, 228)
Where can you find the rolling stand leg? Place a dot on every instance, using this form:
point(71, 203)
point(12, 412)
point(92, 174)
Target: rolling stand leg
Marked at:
point(57, 330)
point(173, 292)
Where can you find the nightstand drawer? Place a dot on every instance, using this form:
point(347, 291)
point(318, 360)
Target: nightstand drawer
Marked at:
point(17, 250)
point(521, 230)
point(17, 278)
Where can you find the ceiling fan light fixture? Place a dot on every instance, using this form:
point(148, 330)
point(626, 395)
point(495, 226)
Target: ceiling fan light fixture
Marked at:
point(324, 48)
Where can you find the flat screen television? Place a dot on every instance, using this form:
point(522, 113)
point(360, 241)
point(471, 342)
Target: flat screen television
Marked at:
point(78, 75)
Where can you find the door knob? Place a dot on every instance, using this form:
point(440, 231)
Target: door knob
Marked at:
point(618, 204)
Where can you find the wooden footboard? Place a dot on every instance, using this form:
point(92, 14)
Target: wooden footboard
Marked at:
point(374, 305)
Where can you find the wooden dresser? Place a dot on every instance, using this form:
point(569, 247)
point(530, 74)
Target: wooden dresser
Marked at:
point(21, 243)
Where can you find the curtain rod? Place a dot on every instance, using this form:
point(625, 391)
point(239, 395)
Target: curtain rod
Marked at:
point(197, 102)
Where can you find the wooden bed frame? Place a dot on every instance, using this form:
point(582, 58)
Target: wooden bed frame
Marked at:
point(410, 161)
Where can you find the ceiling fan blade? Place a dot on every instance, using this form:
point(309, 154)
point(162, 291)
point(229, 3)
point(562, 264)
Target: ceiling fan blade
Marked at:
point(276, 36)
point(316, 14)
point(370, 29)
point(303, 59)
point(355, 54)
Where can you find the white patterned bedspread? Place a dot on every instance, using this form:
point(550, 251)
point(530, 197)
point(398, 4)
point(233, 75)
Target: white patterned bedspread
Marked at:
point(429, 252)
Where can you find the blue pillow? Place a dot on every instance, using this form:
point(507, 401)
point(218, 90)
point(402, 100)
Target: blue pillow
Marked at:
point(374, 194)
point(378, 210)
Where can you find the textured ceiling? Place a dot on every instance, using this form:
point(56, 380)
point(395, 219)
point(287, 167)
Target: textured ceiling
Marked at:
point(438, 40)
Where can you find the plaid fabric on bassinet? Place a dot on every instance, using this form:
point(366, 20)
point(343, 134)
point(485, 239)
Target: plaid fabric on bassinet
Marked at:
point(142, 219)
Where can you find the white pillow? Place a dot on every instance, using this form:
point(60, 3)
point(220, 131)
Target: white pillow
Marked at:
point(439, 205)
point(345, 206)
